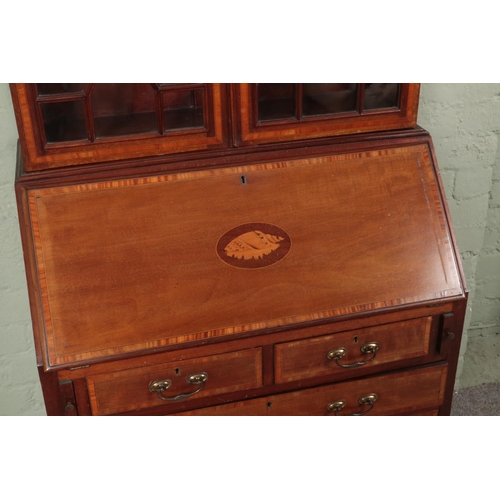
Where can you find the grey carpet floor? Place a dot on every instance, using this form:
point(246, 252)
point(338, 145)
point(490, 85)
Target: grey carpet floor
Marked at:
point(481, 400)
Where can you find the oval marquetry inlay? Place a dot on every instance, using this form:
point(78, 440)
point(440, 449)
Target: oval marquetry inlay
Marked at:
point(253, 245)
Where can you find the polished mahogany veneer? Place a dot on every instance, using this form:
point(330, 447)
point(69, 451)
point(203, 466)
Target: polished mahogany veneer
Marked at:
point(272, 113)
point(178, 264)
point(75, 124)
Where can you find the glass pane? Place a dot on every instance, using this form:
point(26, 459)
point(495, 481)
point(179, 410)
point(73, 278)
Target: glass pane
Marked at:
point(59, 88)
point(381, 95)
point(64, 121)
point(183, 109)
point(123, 109)
point(275, 101)
point(328, 98)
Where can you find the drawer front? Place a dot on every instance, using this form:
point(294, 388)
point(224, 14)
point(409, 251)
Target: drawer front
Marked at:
point(399, 392)
point(425, 413)
point(317, 356)
point(129, 390)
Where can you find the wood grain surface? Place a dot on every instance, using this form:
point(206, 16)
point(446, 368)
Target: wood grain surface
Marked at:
point(397, 392)
point(248, 131)
point(131, 264)
point(40, 156)
point(307, 358)
point(126, 390)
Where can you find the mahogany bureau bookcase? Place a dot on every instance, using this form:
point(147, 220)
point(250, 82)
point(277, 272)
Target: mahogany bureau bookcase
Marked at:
point(237, 249)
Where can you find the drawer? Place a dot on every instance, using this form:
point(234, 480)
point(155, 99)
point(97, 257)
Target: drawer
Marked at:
point(129, 390)
point(398, 392)
point(425, 413)
point(317, 356)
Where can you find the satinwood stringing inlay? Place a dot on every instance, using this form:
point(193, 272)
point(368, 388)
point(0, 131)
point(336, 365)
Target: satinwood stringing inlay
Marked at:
point(253, 245)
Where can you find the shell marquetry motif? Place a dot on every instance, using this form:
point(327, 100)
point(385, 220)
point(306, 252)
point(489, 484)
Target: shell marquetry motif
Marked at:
point(252, 245)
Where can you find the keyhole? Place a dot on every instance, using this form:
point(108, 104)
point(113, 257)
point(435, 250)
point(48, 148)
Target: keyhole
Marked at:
point(243, 179)
point(356, 340)
point(269, 405)
point(177, 371)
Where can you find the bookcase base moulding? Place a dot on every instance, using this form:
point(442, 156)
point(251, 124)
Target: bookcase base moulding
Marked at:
point(315, 277)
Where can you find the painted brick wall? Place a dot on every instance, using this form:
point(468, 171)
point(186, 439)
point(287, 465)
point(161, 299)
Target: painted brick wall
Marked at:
point(20, 392)
point(464, 120)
